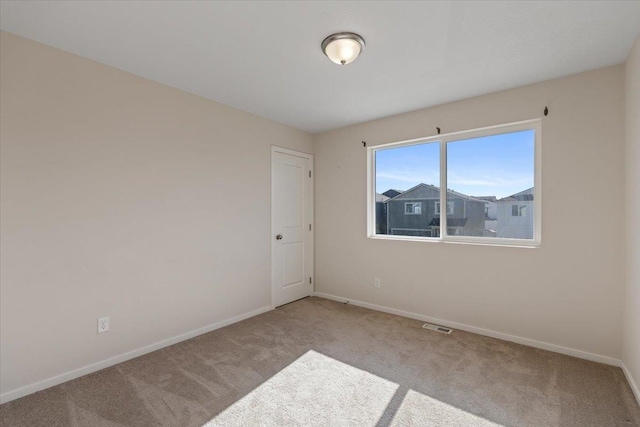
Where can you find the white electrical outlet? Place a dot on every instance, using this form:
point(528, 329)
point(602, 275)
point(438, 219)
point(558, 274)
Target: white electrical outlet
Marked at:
point(376, 283)
point(103, 325)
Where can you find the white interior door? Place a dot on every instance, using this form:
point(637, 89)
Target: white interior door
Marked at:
point(291, 225)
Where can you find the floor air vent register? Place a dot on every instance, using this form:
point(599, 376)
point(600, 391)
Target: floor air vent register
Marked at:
point(437, 328)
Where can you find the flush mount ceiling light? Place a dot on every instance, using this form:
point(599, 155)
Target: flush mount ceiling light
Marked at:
point(343, 48)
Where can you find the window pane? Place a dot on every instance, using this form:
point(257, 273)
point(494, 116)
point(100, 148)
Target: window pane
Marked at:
point(407, 189)
point(413, 208)
point(490, 182)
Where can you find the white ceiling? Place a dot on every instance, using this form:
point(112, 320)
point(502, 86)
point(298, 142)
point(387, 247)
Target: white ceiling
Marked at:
point(265, 57)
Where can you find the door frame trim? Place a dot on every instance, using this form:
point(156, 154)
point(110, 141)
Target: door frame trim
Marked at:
point(276, 149)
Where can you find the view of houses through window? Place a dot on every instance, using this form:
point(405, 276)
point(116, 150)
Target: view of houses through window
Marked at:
point(490, 192)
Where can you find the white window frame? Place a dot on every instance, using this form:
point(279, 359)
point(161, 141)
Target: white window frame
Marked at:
point(450, 208)
point(443, 139)
point(415, 205)
point(519, 209)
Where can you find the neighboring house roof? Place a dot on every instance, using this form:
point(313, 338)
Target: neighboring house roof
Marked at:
point(487, 198)
point(391, 193)
point(420, 191)
point(465, 196)
point(523, 196)
point(428, 191)
point(451, 222)
point(381, 198)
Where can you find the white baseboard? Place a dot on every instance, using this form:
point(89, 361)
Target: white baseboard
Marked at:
point(632, 383)
point(67, 376)
point(481, 331)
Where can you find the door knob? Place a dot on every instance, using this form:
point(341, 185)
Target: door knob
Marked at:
point(279, 237)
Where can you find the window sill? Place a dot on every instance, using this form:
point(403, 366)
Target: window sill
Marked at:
point(511, 243)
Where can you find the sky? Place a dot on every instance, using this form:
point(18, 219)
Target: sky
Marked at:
point(496, 165)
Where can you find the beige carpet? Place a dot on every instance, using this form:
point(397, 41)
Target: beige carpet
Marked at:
point(318, 362)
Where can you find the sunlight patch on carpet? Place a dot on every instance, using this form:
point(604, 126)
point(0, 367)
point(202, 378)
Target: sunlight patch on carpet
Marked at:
point(315, 390)
point(418, 409)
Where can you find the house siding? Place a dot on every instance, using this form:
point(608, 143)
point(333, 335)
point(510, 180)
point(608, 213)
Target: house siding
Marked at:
point(422, 224)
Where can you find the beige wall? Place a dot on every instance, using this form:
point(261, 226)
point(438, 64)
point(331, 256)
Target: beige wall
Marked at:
point(631, 337)
point(125, 198)
point(567, 293)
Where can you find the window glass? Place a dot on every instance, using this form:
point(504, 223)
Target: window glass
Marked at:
point(413, 208)
point(449, 208)
point(406, 189)
point(492, 174)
